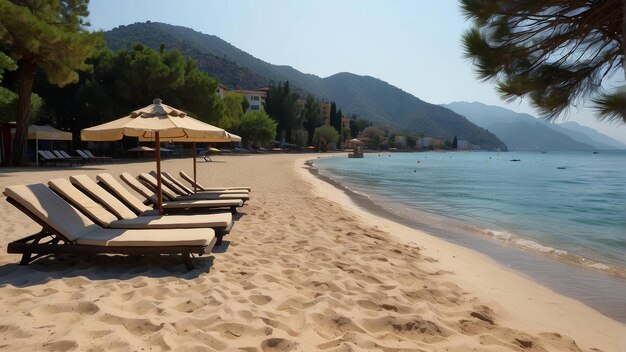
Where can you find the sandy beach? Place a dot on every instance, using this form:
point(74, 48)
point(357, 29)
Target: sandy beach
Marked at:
point(303, 269)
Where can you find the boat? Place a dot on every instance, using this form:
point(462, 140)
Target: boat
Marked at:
point(561, 167)
point(515, 160)
point(595, 152)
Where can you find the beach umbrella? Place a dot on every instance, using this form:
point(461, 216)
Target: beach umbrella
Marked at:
point(156, 121)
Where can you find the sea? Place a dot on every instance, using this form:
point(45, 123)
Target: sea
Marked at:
point(557, 217)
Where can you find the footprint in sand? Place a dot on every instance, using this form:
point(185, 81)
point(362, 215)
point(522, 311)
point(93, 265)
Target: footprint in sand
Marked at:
point(278, 345)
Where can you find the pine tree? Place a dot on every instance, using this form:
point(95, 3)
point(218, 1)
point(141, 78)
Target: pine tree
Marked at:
point(557, 52)
point(45, 35)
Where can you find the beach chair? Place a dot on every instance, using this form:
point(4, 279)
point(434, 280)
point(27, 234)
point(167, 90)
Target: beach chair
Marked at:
point(101, 158)
point(63, 154)
point(170, 194)
point(45, 158)
point(178, 206)
point(221, 223)
point(202, 188)
point(172, 180)
point(71, 161)
point(84, 156)
point(66, 230)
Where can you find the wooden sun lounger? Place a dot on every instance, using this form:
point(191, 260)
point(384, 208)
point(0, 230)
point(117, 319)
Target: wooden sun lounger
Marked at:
point(66, 230)
point(119, 215)
point(202, 188)
point(176, 185)
point(186, 205)
point(172, 195)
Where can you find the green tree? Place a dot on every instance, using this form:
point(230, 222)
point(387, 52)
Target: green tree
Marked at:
point(362, 125)
point(46, 35)
point(256, 128)
point(311, 117)
point(233, 109)
point(557, 52)
point(374, 135)
point(324, 137)
point(455, 143)
point(281, 105)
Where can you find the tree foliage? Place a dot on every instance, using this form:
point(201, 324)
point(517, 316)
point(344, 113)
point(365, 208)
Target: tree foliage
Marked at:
point(557, 52)
point(115, 86)
point(281, 104)
point(46, 35)
point(311, 117)
point(256, 128)
point(233, 109)
point(324, 137)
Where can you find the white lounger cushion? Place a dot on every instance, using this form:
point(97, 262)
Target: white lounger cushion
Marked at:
point(113, 204)
point(172, 195)
point(45, 204)
point(190, 180)
point(106, 219)
point(123, 193)
point(62, 217)
point(148, 238)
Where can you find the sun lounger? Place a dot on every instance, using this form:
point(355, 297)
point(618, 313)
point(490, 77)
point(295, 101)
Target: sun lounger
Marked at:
point(66, 230)
point(221, 223)
point(173, 181)
point(170, 194)
point(45, 158)
point(101, 158)
point(178, 206)
point(85, 156)
point(202, 188)
point(120, 207)
point(69, 159)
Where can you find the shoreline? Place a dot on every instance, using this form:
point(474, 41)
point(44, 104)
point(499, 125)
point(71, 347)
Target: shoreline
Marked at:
point(592, 287)
point(533, 306)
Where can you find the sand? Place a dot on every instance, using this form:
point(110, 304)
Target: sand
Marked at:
point(304, 269)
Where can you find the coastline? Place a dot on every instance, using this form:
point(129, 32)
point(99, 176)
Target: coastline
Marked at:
point(528, 304)
point(594, 287)
point(299, 272)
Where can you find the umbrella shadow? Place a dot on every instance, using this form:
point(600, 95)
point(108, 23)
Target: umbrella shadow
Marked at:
point(101, 267)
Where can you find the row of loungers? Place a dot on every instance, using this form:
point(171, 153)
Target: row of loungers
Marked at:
point(80, 215)
point(60, 156)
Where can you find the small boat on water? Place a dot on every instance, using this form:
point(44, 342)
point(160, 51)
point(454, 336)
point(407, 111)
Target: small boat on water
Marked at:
point(595, 152)
point(561, 167)
point(515, 160)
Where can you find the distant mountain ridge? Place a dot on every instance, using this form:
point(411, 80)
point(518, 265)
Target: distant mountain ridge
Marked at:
point(368, 97)
point(524, 132)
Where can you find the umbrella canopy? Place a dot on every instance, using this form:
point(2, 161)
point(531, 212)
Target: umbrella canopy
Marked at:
point(141, 148)
point(46, 132)
point(156, 121)
point(159, 118)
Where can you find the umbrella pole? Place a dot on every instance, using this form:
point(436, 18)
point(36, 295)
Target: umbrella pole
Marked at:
point(157, 140)
point(36, 152)
point(194, 168)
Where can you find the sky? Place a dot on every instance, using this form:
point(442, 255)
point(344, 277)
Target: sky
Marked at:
point(414, 45)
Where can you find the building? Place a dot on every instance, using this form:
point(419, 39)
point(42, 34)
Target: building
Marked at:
point(221, 90)
point(400, 141)
point(255, 98)
point(425, 142)
point(463, 144)
point(325, 112)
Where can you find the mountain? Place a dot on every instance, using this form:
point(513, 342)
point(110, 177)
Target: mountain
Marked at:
point(525, 132)
point(367, 97)
point(590, 136)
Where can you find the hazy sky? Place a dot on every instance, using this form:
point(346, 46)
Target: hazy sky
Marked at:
point(411, 44)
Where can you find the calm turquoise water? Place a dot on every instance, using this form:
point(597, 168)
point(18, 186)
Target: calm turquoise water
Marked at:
point(576, 214)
